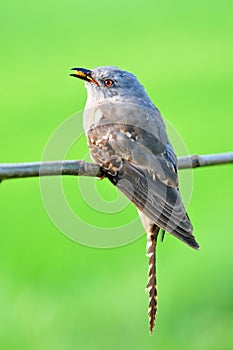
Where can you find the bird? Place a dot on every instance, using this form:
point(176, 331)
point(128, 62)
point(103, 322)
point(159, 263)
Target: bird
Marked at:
point(127, 138)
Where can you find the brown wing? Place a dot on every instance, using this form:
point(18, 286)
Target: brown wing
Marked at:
point(137, 163)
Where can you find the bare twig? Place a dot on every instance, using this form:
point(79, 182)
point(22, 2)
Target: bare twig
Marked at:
point(205, 160)
point(67, 167)
point(81, 168)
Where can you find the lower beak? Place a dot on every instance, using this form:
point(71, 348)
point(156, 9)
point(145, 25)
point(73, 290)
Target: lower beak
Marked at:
point(84, 74)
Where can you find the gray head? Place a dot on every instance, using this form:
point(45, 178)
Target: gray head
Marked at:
point(110, 82)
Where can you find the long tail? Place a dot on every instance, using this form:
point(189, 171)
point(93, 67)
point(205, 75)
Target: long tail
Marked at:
point(151, 285)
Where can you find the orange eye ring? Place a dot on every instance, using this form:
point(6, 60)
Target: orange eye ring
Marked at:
point(108, 82)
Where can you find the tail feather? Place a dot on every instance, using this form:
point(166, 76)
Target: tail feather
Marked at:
point(151, 285)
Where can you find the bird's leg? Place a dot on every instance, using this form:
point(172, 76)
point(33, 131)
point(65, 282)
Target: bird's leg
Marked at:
point(101, 174)
point(101, 177)
point(151, 285)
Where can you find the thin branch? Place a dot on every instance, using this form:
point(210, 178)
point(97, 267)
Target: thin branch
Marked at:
point(67, 167)
point(205, 160)
point(81, 168)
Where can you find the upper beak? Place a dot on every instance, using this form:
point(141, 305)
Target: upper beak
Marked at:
point(84, 74)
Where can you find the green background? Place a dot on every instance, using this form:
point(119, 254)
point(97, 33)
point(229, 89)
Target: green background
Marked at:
point(55, 293)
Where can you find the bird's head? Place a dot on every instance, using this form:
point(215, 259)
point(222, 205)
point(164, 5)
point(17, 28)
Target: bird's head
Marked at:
point(110, 82)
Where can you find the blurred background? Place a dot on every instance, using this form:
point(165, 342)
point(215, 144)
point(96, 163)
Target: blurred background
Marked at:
point(55, 293)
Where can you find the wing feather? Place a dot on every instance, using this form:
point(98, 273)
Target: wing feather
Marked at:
point(144, 169)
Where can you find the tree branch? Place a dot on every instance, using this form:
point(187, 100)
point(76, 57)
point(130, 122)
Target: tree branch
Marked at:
point(196, 161)
point(81, 168)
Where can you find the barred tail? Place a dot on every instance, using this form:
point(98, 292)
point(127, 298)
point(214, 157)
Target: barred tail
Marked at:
point(151, 285)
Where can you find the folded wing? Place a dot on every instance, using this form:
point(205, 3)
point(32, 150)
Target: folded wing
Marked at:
point(145, 170)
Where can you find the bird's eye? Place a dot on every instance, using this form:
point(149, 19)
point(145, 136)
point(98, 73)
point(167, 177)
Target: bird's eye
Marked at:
point(108, 82)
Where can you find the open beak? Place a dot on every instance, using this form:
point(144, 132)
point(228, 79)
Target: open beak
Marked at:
point(84, 74)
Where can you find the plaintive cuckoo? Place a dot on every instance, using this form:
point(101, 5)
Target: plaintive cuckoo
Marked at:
point(127, 138)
